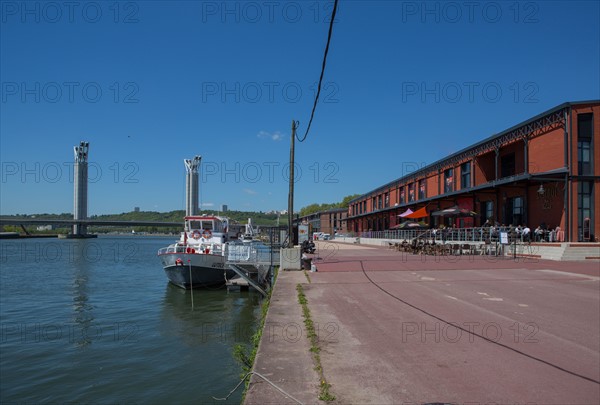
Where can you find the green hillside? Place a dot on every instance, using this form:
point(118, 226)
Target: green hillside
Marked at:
point(258, 218)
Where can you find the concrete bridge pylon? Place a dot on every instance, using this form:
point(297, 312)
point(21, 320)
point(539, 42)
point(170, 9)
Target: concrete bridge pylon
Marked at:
point(80, 189)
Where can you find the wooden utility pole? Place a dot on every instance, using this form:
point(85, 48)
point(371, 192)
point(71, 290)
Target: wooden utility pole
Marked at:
point(291, 192)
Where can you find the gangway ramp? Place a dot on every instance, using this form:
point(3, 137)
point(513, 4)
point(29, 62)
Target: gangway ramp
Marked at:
point(252, 262)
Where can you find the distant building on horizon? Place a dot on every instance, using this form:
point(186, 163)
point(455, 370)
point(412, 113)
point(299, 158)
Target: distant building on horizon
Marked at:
point(224, 208)
point(136, 209)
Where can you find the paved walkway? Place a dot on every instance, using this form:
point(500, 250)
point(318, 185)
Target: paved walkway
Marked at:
point(397, 328)
point(284, 352)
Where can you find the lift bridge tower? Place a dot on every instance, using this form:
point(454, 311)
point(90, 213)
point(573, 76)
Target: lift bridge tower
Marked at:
point(80, 191)
point(191, 185)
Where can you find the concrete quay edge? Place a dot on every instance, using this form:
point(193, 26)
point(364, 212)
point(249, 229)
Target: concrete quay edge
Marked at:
point(283, 354)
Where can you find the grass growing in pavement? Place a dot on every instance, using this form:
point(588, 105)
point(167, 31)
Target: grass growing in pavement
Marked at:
point(240, 352)
point(324, 394)
point(307, 276)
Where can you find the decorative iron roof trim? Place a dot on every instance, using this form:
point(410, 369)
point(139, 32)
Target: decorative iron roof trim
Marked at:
point(553, 117)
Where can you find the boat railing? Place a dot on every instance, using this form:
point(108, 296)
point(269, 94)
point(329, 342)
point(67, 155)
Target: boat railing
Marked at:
point(251, 253)
point(212, 248)
point(172, 249)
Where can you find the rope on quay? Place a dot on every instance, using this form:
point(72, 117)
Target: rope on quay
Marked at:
point(264, 378)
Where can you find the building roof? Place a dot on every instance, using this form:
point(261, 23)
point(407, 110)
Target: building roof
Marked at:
point(474, 146)
point(331, 210)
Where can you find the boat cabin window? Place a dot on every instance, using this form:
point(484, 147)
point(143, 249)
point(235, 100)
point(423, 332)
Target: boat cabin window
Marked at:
point(195, 225)
point(199, 224)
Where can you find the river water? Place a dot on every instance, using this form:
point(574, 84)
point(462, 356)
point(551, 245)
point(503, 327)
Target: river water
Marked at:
point(96, 321)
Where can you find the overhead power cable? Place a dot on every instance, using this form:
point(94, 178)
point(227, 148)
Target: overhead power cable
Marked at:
point(312, 114)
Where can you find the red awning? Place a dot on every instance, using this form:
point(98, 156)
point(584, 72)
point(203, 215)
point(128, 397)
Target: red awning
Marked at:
point(420, 213)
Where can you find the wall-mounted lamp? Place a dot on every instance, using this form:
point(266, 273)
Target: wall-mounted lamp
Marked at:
point(541, 190)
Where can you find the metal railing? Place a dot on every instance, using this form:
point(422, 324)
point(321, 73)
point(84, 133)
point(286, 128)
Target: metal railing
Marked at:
point(172, 249)
point(476, 234)
point(253, 262)
point(252, 253)
point(213, 248)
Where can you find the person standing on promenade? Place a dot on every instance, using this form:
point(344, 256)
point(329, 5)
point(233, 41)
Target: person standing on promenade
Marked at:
point(526, 234)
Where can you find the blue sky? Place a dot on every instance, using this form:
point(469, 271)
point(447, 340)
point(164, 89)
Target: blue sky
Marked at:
point(150, 83)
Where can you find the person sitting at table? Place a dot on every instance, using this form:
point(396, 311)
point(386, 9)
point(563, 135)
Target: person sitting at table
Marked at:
point(539, 233)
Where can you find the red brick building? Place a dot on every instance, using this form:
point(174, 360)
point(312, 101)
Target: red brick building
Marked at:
point(542, 171)
point(330, 221)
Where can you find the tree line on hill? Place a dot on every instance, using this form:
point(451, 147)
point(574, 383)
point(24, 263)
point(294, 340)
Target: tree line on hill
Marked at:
point(314, 208)
point(258, 218)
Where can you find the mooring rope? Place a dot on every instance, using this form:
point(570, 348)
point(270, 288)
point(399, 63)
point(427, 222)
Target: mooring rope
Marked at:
point(264, 378)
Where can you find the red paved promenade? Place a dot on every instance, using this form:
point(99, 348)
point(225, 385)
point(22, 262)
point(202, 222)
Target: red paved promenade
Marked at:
point(397, 328)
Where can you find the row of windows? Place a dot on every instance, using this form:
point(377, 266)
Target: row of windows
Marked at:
point(334, 221)
point(380, 201)
point(415, 191)
point(513, 213)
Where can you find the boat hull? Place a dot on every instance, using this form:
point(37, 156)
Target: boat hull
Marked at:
point(205, 270)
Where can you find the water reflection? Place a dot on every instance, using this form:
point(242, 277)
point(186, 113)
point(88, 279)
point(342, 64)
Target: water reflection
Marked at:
point(83, 332)
point(218, 316)
point(95, 321)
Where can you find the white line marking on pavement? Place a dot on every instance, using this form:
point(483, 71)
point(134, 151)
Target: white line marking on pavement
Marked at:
point(564, 273)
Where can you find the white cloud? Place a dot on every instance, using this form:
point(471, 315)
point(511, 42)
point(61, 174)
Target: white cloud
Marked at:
point(250, 191)
point(274, 136)
point(209, 204)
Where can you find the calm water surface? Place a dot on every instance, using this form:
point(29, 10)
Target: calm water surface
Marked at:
point(96, 321)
